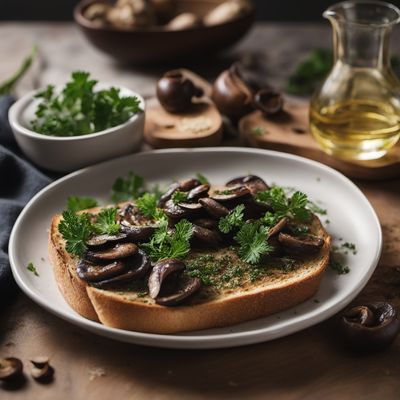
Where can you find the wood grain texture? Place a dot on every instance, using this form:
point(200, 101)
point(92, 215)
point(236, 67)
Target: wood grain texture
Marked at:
point(307, 365)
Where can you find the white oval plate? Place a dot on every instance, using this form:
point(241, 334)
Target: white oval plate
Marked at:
point(351, 218)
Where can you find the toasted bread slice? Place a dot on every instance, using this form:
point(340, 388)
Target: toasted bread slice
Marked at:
point(130, 310)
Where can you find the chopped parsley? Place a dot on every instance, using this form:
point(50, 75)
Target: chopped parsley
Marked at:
point(170, 244)
point(30, 267)
point(252, 241)
point(179, 197)
point(259, 131)
point(106, 222)
point(75, 229)
point(80, 110)
point(338, 266)
point(147, 205)
point(202, 179)
point(75, 203)
point(128, 188)
point(233, 220)
point(316, 209)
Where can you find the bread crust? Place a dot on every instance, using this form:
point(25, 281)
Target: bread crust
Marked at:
point(114, 310)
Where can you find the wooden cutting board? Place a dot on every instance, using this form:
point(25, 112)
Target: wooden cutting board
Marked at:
point(290, 133)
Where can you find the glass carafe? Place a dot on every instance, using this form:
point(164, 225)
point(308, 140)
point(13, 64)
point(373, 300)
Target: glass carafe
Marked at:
point(355, 115)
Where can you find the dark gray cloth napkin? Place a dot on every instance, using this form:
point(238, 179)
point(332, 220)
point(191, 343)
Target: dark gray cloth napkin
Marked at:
point(19, 181)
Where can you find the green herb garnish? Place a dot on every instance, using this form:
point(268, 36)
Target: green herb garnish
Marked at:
point(128, 188)
point(259, 131)
point(30, 267)
point(80, 110)
point(106, 222)
point(233, 220)
point(75, 229)
point(338, 266)
point(316, 209)
point(170, 244)
point(147, 205)
point(284, 206)
point(179, 197)
point(75, 203)
point(252, 240)
point(202, 179)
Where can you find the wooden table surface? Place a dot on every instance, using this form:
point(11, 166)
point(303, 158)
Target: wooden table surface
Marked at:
point(310, 364)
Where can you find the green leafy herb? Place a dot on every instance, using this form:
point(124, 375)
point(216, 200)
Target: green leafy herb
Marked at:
point(252, 240)
point(259, 131)
point(75, 229)
point(147, 205)
point(269, 219)
point(106, 222)
point(298, 230)
point(350, 246)
point(179, 197)
point(233, 220)
point(338, 266)
point(284, 206)
point(80, 110)
point(128, 188)
point(30, 267)
point(316, 209)
point(8, 85)
point(75, 203)
point(166, 244)
point(202, 179)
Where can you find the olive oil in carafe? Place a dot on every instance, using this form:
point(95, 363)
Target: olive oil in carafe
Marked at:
point(356, 129)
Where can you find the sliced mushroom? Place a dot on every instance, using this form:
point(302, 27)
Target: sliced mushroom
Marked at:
point(188, 288)
point(274, 230)
point(268, 101)
point(175, 211)
point(41, 370)
point(93, 273)
point(168, 194)
point(232, 193)
point(206, 236)
point(198, 192)
point(253, 182)
point(214, 208)
point(120, 250)
point(189, 184)
point(306, 244)
point(206, 223)
point(10, 368)
point(138, 233)
point(138, 266)
point(191, 206)
point(160, 271)
point(100, 240)
point(40, 361)
point(370, 327)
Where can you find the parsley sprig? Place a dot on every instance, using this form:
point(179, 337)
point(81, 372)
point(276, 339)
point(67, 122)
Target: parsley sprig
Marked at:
point(252, 239)
point(106, 222)
point(179, 197)
point(294, 206)
point(128, 188)
point(75, 203)
point(170, 244)
point(80, 110)
point(147, 205)
point(232, 220)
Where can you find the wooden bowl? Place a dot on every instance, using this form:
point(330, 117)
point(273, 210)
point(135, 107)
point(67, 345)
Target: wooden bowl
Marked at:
point(155, 44)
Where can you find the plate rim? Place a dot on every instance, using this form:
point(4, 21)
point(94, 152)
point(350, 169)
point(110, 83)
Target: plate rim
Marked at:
point(230, 339)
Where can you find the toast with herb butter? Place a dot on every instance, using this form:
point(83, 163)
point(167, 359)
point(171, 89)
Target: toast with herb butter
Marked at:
point(218, 286)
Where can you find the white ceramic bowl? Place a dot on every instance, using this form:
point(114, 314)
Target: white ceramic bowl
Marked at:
point(69, 153)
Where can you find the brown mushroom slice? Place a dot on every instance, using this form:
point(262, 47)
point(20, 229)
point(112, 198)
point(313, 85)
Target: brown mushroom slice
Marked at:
point(168, 194)
point(274, 230)
point(306, 244)
point(90, 272)
point(175, 211)
point(268, 101)
point(189, 287)
point(159, 273)
point(191, 206)
point(10, 368)
point(138, 266)
point(100, 240)
point(208, 223)
point(138, 233)
point(231, 193)
point(214, 208)
point(253, 182)
point(206, 236)
point(189, 184)
point(40, 361)
point(120, 250)
point(198, 192)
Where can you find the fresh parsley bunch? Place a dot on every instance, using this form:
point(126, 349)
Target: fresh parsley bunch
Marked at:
point(80, 110)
